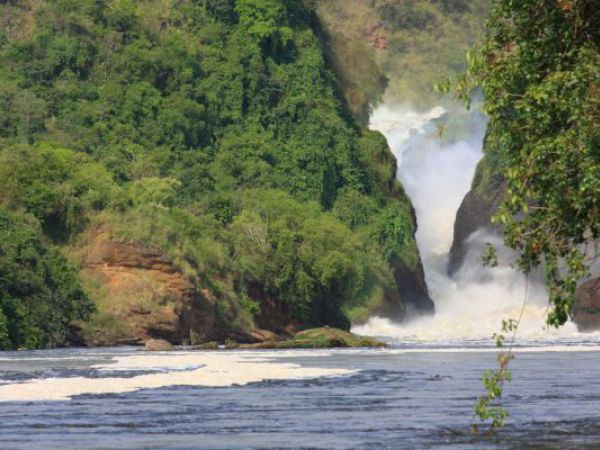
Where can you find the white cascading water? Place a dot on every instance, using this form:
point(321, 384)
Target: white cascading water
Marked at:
point(471, 305)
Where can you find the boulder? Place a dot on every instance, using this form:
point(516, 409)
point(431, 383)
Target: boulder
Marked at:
point(325, 337)
point(157, 345)
point(586, 311)
point(263, 335)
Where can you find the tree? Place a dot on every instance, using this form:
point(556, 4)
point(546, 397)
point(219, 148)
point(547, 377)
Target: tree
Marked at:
point(538, 68)
point(539, 71)
point(40, 293)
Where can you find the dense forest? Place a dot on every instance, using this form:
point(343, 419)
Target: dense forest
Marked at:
point(213, 131)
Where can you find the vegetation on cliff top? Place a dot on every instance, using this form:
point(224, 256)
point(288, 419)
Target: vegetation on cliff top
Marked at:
point(211, 129)
point(402, 45)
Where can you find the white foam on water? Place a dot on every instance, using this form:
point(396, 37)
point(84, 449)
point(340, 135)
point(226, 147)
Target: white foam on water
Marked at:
point(213, 369)
point(530, 349)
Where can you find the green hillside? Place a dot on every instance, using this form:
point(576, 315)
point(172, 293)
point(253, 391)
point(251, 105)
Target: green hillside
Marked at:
point(210, 130)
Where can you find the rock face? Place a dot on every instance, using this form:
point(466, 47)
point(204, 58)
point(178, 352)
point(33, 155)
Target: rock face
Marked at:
point(410, 278)
point(144, 292)
point(586, 313)
point(412, 289)
point(475, 212)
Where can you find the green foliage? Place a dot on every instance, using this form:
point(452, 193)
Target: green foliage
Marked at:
point(488, 407)
point(490, 258)
point(355, 209)
point(394, 231)
point(539, 71)
point(40, 293)
point(201, 128)
point(265, 19)
point(153, 191)
point(304, 258)
point(58, 186)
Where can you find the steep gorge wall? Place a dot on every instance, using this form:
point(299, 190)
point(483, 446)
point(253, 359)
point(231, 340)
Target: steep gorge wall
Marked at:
point(477, 208)
point(475, 212)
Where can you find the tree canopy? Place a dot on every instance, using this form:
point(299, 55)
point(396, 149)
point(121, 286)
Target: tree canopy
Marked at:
point(40, 293)
point(192, 126)
point(539, 68)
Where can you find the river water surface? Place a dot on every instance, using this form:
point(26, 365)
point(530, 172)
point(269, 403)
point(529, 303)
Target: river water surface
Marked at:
point(418, 396)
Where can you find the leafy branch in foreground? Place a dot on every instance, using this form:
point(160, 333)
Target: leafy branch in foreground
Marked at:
point(539, 71)
point(488, 407)
point(538, 68)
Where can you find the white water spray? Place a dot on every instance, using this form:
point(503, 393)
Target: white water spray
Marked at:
point(470, 307)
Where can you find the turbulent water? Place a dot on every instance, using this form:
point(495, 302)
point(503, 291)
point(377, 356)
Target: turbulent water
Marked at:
point(469, 307)
point(418, 394)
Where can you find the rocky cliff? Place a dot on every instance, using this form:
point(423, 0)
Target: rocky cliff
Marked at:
point(476, 209)
point(475, 212)
point(144, 295)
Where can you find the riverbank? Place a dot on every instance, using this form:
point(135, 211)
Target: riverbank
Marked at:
point(324, 337)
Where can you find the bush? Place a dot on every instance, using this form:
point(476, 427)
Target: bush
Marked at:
point(40, 294)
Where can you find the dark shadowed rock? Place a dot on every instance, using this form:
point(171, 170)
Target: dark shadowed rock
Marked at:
point(586, 312)
point(476, 210)
point(412, 290)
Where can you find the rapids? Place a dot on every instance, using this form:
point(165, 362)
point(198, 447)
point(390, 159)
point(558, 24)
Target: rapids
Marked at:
point(470, 306)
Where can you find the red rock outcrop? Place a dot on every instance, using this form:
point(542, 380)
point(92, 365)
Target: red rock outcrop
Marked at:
point(143, 290)
point(376, 35)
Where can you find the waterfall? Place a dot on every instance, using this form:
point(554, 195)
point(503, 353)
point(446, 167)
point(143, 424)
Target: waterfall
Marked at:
point(436, 173)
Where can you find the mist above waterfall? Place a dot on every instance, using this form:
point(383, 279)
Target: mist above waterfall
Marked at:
point(436, 170)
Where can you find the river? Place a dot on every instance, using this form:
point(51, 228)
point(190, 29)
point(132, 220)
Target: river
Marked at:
point(414, 397)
